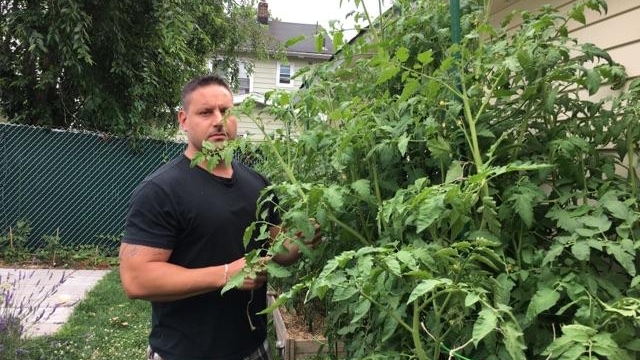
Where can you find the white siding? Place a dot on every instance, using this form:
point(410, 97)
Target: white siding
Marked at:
point(247, 126)
point(263, 80)
point(265, 75)
point(617, 31)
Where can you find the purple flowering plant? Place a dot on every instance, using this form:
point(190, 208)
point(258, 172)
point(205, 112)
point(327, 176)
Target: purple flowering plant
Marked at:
point(24, 302)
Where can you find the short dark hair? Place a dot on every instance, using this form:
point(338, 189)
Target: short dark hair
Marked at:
point(202, 81)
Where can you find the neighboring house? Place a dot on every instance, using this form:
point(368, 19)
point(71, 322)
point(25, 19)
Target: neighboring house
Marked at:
point(274, 73)
point(617, 31)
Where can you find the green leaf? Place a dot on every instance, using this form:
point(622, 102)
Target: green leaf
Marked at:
point(564, 219)
point(585, 232)
point(471, 299)
point(513, 341)
point(523, 206)
point(333, 196)
point(577, 13)
point(276, 270)
point(403, 143)
point(486, 324)
point(440, 148)
point(402, 54)
point(362, 187)
point(407, 259)
point(429, 211)
point(343, 293)
point(550, 100)
point(424, 287)
point(248, 233)
point(410, 87)
point(633, 345)
point(455, 172)
point(593, 81)
point(543, 300)
point(393, 265)
point(552, 254)
point(389, 328)
point(571, 342)
point(425, 57)
point(388, 72)
point(294, 40)
point(616, 207)
point(625, 259)
point(234, 282)
point(581, 250)
point(362, 308)
point(338, 40)
point(319, 42)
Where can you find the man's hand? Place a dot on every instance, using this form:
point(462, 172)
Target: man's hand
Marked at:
point(250, 283)
point(316, 239)
point(293, 251)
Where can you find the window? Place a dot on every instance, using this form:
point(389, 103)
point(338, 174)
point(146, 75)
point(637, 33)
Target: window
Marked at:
point(244, 80)
point(285, 72)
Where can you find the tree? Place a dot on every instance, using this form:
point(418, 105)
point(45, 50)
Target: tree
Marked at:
point(113, 66)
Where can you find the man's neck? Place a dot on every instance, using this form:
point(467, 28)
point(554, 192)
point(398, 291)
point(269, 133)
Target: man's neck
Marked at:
point(221, 169)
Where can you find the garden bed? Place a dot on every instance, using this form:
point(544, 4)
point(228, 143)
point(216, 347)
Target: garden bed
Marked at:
point(293, 340)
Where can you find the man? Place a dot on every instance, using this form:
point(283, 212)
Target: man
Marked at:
point(183, 241)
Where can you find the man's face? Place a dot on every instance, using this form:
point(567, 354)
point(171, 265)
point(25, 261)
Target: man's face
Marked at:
point(204, 117)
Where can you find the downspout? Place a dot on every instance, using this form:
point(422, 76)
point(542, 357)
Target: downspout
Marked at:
point(454, 8)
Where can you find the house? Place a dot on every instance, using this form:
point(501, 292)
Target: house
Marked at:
point(258, 76)
point(617, 31)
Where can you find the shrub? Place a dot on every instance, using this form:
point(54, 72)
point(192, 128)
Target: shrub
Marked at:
point(470, 194)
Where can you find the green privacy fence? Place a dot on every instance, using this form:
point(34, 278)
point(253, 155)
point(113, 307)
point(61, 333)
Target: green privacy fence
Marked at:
point(72, 184)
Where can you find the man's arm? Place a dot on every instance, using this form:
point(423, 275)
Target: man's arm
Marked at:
point(146, 274)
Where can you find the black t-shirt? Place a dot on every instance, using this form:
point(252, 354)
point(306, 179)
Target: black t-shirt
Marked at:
point(202, 219)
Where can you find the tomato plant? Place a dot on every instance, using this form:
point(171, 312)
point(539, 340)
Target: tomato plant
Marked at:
point(476, 202)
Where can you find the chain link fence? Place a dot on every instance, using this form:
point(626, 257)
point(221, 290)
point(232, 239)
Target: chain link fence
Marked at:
point(72, 184)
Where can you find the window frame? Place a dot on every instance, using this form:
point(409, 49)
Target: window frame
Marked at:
point(291, 73)
point(242, 65)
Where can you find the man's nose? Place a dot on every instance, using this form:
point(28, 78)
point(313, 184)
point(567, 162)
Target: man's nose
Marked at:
point(218, 116)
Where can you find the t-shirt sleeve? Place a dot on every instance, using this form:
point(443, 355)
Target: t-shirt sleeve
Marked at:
point(152, 219)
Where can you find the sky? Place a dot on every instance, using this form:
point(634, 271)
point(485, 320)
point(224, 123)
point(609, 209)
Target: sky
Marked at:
point(322, 11)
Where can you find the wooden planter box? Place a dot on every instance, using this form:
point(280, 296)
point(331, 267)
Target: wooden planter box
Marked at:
point(290, 348)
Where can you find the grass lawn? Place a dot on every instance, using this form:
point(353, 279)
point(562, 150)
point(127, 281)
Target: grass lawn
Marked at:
point(104, 326)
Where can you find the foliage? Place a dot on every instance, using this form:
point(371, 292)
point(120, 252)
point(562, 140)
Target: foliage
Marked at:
point(113, 66)
point(13, 243)
point(476, 201)
point(52, 252)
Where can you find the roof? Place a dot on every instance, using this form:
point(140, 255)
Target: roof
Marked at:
point(258, 98)
point(283, 31)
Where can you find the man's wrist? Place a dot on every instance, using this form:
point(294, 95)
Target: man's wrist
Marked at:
point(226, 274)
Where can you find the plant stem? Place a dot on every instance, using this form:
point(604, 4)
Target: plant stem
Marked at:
point(375, 34)
point(630, 163)
point(285, 165)
point(376, 187)
point(349, 229)
point(415, 333)
point(387, 310)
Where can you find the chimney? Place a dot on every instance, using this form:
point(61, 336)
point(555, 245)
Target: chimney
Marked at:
point(263, 12)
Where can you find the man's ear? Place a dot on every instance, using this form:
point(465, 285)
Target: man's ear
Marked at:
point(182, 118)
